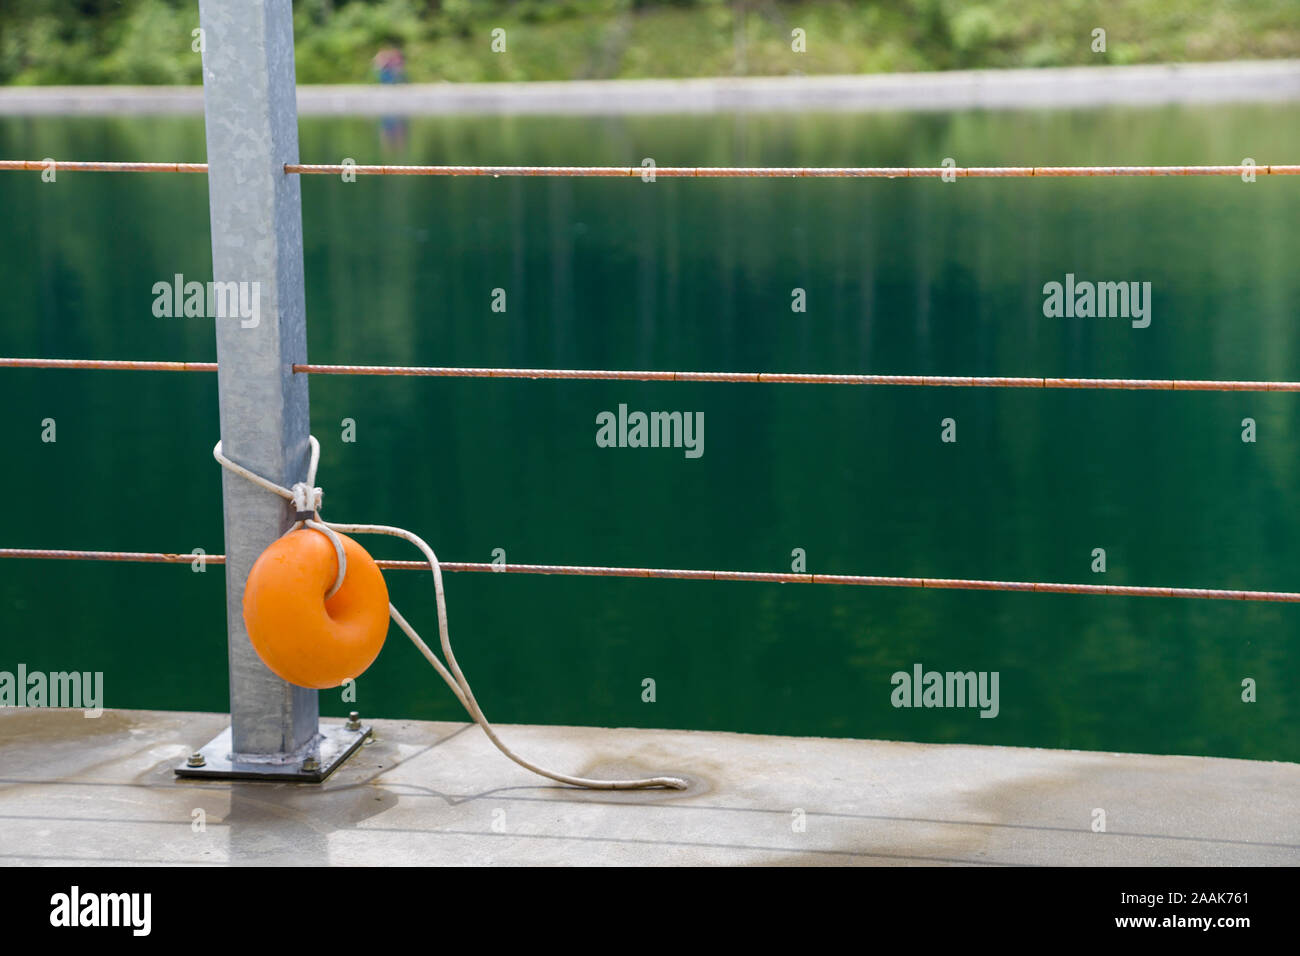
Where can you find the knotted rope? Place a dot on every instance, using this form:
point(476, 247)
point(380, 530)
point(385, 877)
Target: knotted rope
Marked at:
point(307, 498)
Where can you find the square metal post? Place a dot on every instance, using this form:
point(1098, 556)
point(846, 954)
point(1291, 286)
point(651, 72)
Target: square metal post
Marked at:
point(251, 120)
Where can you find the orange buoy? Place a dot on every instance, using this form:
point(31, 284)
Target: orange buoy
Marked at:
point(302, 637)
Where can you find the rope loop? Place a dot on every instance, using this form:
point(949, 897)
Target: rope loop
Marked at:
point(306, 499)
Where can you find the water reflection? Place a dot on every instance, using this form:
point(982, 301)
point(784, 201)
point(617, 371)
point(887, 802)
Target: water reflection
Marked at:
point(898, 277)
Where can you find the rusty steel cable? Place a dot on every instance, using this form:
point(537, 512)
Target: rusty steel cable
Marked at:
point(60, 166)
point(790, 172)
point(794, 378)
point(756, 377)
point(112, 365)
point(804, 378)
point(683, 172)
point(767, 577)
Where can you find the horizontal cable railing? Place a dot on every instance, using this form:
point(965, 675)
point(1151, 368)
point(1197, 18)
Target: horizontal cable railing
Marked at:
point(788, 378)
point(682, 172)
point(768, 577)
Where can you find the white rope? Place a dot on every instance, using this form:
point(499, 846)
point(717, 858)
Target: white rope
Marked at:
point(307, 499)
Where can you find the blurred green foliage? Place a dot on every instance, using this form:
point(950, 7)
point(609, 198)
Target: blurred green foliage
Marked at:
point(150, 41)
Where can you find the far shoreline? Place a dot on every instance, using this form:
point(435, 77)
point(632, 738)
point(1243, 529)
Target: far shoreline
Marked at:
point(1064, 87)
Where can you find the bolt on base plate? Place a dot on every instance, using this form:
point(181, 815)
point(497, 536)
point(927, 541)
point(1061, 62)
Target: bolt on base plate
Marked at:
point(333, 745)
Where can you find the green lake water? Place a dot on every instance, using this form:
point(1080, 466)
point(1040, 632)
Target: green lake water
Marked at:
point(900, 277)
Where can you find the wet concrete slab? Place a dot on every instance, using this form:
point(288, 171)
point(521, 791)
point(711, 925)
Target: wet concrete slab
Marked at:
point(102, 791)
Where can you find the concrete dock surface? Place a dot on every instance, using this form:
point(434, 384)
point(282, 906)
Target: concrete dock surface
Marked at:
point(81, 791)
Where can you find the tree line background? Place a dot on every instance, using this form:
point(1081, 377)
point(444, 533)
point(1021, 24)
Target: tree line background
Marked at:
point(149, 41)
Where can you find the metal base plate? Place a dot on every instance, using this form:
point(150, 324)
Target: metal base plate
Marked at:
point(333, 745)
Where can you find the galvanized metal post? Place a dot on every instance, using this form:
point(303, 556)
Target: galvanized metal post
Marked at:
point(251, 118)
